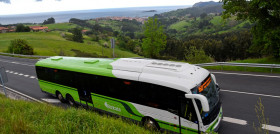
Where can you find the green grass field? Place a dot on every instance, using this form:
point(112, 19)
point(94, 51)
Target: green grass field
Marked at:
point(180, 26)
point(61, 26)
point(23, 117)
point(51, 44)
point(217, 21)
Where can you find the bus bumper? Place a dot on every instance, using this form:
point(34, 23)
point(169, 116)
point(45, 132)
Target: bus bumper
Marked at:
point(217, 125)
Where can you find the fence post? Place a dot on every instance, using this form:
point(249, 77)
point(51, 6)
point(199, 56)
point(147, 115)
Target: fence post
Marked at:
point(3, 79)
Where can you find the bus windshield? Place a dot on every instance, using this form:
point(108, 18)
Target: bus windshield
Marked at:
point(208, 89)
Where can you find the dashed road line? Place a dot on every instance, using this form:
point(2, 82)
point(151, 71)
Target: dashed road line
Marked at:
point(21, 74)
point(235, 121)
point(265, 95)
point(271, 128)
point(256, 75)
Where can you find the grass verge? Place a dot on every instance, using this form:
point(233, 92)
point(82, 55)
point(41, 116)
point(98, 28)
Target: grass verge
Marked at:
point(21, 117)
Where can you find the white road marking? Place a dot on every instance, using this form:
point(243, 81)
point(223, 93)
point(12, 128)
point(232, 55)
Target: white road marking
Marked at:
point(270, 76)
point(25, 75)
point(271, 128)
point(266, 95)
point(17, 63)
point(51, 100)
point(236, 121)
point(22, 94)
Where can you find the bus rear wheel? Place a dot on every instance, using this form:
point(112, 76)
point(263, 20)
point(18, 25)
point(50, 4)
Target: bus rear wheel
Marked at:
point(150, 124)
point(71, 101)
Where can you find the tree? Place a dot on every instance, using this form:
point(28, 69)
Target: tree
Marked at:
point(20, 46)
point(203, 15)
point(77, 35)
point(49, 21)
point(266, 16)
point(155, 39)
point(195, 56)
point(22, 28)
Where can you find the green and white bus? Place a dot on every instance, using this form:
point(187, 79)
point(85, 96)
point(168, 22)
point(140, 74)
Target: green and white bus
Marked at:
point(163, 95)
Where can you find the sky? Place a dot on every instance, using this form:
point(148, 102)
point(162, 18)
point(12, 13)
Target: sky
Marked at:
point(9, 7)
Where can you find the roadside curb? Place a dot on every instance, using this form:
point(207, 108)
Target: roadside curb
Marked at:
point(21, 55)
point(13, 94)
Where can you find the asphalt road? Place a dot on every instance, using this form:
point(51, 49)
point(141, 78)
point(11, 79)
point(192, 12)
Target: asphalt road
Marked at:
point(240, 92)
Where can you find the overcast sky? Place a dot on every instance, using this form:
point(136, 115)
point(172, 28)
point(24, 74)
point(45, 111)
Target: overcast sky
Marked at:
point(8, 7)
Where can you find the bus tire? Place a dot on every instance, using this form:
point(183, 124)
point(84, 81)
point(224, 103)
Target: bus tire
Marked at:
point(60, 97)
point(150, 124)
point(71, 101)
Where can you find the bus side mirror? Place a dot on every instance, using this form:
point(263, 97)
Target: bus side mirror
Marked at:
point(201, 98)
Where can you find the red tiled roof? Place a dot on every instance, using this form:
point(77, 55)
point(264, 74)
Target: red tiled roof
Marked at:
point(4, 28)
point(38, 28)
point(34, 26)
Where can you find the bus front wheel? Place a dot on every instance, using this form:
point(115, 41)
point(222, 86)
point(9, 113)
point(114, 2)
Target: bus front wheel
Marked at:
point(60, 97)
point(150, 124)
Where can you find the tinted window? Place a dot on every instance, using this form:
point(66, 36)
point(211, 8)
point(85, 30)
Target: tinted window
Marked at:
point(58, 76)
point(160, 97)
point(188, 111)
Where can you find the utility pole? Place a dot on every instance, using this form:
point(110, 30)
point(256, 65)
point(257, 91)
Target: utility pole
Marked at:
point(113, 46)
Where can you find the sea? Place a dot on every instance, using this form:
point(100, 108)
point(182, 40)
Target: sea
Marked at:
point(65, 16)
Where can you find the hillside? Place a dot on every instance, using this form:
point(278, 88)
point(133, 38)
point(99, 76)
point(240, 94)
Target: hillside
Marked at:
point(52, 43)
point(20, 117)
point(209, 3)
point(195, 11)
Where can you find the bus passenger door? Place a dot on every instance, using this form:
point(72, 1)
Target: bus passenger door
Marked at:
point(188, 117)
point(84, 89)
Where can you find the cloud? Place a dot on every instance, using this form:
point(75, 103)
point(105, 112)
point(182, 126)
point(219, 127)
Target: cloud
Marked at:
point(42, 0)
point(6, 1)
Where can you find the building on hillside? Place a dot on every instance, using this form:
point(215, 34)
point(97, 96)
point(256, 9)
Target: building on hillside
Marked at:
point(84, 31)
point(4, 29)
point(39, 28)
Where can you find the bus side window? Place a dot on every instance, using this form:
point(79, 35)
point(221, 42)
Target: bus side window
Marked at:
point(46, 74)
point(188, 111)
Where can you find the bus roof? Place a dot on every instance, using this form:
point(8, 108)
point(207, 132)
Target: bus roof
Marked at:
point(181, 76)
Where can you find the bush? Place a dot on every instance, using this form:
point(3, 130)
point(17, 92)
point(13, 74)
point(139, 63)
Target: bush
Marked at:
point(77, 35)
point(195, 56)
point(22, 28)
point(20, 46)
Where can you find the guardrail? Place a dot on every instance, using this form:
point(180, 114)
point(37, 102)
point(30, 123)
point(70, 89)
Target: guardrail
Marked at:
point(271, 66)
point(21, 55)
